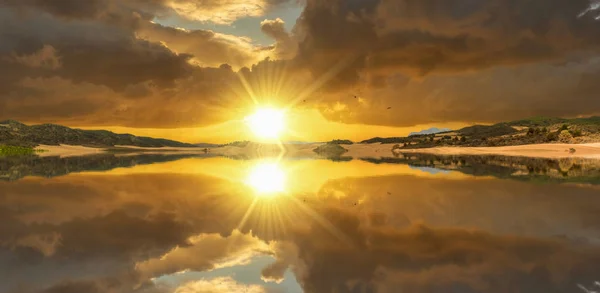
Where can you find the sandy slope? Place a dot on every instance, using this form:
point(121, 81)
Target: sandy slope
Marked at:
point(254, 150)
point(257, 150)
point(555, 151)
point(64, 150)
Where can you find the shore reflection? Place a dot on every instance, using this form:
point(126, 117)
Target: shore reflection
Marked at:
point(352, 226)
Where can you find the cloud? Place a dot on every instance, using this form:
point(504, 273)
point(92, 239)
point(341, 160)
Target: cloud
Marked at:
point(221, 12)
point(69, 9)
point(285, 46)
point(205, 252)
point(44, 58)
point(218, 285)
point(421, 38)
point(96, 53)
point(500, 94)
point(209, 49)
point(519, 59)
point(450, 59)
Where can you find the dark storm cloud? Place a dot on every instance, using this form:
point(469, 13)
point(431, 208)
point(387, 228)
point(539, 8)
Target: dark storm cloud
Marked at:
point(95, 52)
point(449, 59)
point(87, 70)
point(465, 60)
point(424, 37)
point(70, 9)
point(492, 95)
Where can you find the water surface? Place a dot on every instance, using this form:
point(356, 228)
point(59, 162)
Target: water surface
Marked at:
point(177, 223)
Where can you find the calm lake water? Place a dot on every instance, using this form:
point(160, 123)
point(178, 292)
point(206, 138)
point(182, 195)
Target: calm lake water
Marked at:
point(191, 224)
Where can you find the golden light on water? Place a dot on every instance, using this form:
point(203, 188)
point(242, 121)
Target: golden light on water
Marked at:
point(267, 179)
point(267, 123)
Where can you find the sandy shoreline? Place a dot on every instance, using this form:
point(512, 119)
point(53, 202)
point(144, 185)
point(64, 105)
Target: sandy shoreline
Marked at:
point(64, 150)
point(551, 151)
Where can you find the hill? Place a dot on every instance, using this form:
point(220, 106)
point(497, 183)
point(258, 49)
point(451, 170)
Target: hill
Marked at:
point(481, 131)
point(18, 134)
point(432, 130)
point(330, 150)
point(206, 145)
point(527, 131)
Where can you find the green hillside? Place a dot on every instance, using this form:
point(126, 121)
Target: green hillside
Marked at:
point(527, 131)
point(14, 133)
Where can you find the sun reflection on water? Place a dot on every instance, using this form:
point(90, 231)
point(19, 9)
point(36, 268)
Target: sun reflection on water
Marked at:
point(267, 179)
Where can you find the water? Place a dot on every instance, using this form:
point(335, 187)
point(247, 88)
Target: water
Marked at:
point(421, 223)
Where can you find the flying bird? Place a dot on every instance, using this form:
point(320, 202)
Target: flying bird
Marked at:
point(389, 108)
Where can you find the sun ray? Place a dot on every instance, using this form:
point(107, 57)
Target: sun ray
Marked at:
point(323, 79)
point(324, 223)
point(247, 87)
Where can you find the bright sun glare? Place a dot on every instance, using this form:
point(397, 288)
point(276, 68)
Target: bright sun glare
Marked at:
point(266, 179)
point(266, 123)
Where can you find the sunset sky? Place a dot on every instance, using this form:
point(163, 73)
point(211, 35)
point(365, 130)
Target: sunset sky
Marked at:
point(191, 70)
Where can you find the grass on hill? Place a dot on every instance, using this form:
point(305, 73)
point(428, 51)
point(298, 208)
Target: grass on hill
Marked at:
point(9, 150)
point(341, 141)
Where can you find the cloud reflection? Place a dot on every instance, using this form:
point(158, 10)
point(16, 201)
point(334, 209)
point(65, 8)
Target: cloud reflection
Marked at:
point(390, 228)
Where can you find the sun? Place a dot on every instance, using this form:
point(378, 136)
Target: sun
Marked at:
point(267, 179)
point(267, 123)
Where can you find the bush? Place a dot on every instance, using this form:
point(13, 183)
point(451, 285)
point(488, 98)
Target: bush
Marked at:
point(575, 133)
point(563, 127)
point(7, 150)
point(552, 136)
point(341, 141)
point(330, 150)
point(463, 139)
point(530, 131)
point(565, 136)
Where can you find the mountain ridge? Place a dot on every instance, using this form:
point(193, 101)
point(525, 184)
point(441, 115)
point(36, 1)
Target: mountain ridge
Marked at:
point(432, 130)
point(13, 132)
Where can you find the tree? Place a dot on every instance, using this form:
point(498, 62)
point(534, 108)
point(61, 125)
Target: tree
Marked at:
point(565, 136)
point(552, 136)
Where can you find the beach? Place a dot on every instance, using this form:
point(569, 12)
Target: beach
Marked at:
point(550, 151)
point(257, 150)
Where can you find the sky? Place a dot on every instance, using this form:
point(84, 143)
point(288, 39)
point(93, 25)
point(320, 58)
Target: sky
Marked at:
point(355, 69)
